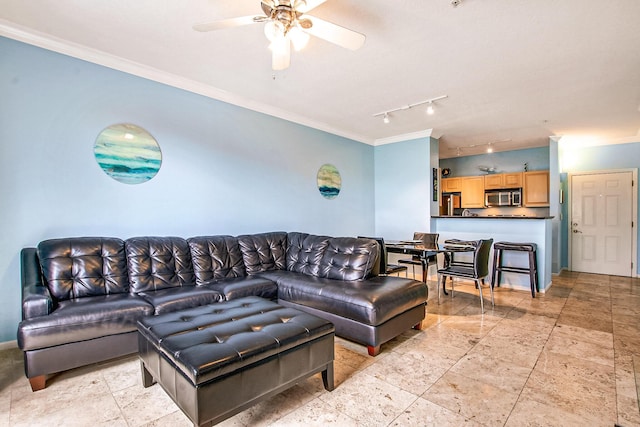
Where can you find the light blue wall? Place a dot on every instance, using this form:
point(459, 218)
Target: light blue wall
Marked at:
point(225, 169)
point(603, 157)
point(505, 161)
point(403, 191)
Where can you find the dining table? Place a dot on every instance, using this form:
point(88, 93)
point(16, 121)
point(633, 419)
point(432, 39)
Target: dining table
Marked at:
point(424, 252)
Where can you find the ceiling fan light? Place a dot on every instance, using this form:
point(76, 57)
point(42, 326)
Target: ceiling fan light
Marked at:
point(273, 29)
point(298, 38)
point(280, 45)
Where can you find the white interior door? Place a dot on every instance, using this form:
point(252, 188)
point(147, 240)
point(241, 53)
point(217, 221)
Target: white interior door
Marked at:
point(601, 225)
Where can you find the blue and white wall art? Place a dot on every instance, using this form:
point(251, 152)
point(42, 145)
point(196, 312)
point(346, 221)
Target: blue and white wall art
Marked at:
point(128, 153)
point(329, 181)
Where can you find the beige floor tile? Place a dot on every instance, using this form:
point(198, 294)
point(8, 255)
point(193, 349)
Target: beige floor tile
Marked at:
point(506, 351)
point(428, 414)
point(473, 399)
point(316, 414)
point(271, 410)
point(489, 370)
point(368, 400)
point(412, 371)
point(577, 370)
point(122, 373)
point(529, 413)
point(581, 346)
point(573, 397)
point(596, 322)
point(141, 405)
point(174, 419)
point(522, 333)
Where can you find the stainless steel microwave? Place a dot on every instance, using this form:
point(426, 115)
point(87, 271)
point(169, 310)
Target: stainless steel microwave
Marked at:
point(503, 198)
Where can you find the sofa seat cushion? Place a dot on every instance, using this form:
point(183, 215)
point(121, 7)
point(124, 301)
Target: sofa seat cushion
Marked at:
point(173, 299)
point(83, 319)
point(372, 301)
point(241, 287)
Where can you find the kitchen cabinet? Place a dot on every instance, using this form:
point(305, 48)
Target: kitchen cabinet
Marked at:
point(535, 191)
point(472, 193)
point(503, 180)
point(451, 185)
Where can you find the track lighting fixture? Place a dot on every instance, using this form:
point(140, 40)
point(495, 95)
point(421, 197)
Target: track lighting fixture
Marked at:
point(430, 109)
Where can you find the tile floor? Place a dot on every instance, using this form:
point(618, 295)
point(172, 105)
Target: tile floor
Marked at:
point(567, 358)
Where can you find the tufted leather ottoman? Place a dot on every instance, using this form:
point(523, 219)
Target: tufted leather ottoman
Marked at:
point(217, 360)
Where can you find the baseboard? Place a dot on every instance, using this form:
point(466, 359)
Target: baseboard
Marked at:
point(8, 345)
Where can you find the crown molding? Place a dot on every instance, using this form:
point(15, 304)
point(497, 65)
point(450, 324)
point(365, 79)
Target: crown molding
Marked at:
point(65, 47)
point(405, 137)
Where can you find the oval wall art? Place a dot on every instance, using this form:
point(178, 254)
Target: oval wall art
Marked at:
point(329, 181)
point(128, 153)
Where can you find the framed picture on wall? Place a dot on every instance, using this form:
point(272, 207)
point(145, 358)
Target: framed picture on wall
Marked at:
point(436, 174)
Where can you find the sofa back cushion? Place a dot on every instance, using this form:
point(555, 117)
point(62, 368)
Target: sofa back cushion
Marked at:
point(83, 266)
point(349, 258)
point(265, 251)
point(158, 263)
point(304, 252)
point(216, 257)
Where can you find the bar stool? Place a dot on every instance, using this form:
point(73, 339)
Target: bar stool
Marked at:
point(532, 270)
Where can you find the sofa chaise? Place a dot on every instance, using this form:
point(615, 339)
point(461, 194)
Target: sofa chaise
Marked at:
point(82, 296)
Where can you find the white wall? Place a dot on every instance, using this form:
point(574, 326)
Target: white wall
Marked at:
point(225, 170)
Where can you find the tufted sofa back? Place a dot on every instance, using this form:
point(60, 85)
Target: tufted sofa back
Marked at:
point(156, 263)
point(349, 258)
point(91, 266)
point(304, 252)
point(263, 252)
point(83, 266)
point(216, 257)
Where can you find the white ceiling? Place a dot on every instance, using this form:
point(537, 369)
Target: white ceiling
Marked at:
point(516, 72)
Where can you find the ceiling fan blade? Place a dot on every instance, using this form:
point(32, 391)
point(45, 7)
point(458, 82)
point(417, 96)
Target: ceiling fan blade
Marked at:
point(267, 6)
point(229, 23)
point(334, 33)
point(304, 6)
point(281, 57)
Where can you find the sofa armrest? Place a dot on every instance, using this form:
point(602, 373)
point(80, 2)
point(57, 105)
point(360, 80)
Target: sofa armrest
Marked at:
point(36, 298)
point(36, 301)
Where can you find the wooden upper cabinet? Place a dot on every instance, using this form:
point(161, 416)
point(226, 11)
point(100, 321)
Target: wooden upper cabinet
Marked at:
point(451, 185)
point(472, 193)
point(536, 189)
point(503, 180)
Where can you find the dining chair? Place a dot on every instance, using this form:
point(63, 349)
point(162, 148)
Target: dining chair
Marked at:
point(430, 240)
point(475, 270)
point(386, 268)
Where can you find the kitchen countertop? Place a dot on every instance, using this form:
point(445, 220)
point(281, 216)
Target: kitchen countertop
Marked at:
point(491, 217)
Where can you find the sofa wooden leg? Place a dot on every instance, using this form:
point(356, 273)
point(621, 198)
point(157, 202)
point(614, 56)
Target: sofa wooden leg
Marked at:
point(373, 351)
point(38, 383)
point(418, 326)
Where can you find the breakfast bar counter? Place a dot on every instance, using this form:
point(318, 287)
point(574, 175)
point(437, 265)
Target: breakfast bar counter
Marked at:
point(520, 229)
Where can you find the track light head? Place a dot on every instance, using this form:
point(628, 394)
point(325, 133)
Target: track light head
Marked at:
point(385, 118)
point(430, 109)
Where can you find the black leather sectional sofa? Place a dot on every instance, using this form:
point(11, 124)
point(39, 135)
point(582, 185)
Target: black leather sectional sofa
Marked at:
point(82, 297)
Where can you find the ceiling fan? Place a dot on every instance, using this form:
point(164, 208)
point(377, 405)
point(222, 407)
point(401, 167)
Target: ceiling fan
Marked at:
point(286, 24)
